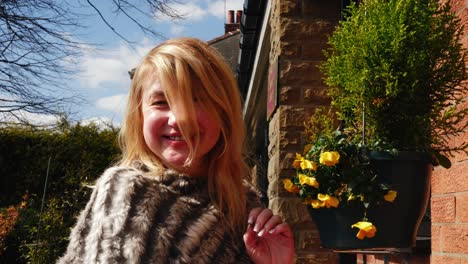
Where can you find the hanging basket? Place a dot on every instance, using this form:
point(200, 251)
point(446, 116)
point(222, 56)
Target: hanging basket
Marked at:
point(397, 223)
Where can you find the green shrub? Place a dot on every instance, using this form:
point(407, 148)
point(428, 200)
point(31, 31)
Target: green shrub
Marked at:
point(401, 62)
point(78, 154)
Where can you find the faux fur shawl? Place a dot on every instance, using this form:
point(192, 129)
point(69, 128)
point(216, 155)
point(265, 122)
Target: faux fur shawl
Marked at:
point(136, 218)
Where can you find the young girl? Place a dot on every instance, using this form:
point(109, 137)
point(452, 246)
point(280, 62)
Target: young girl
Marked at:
point(178, 194)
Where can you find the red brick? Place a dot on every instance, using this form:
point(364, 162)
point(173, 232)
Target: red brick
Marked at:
point(370, 258)
point(454, 238)
point(457, 5)
point(381, 259)
point(450, 180)
point(402, 258)
point(457, 142)
point(441, 259)
point(462, 207)
point(435, 238)
point(463, 15)
point(443, 209)
point(464, 41)
point(360, 259)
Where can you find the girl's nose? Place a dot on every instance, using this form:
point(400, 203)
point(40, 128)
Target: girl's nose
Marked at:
point(172, 120)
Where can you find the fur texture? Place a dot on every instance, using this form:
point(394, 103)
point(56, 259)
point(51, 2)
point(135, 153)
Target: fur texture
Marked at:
point(133, 217)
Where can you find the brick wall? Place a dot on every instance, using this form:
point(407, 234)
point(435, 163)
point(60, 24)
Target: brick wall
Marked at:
point(298, 35)
point(299, 29)
point(449, 203)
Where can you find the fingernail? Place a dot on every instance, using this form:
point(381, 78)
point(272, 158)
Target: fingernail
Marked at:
point(261, 232)
point(271, 231)
point(250, 221)
point(256, 228)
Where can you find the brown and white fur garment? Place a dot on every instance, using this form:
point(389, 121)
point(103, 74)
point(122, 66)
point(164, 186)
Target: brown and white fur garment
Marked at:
point(136, 218)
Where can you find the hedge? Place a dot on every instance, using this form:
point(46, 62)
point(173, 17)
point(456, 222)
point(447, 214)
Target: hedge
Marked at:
point(78, 154)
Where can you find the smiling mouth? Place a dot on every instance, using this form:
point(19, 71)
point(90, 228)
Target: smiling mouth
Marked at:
point(175, 138)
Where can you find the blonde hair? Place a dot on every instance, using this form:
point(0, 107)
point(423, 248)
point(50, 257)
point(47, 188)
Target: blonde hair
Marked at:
point(189, 70)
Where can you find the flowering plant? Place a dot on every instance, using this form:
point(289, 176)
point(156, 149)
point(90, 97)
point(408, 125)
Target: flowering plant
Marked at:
point(335, 171)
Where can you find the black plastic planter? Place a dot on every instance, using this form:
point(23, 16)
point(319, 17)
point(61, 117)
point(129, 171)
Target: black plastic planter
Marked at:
point(397, 223)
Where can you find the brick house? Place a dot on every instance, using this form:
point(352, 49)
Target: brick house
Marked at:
point(281, 43)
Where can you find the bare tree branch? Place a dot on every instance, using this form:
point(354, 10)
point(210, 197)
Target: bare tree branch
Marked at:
point(37, 45)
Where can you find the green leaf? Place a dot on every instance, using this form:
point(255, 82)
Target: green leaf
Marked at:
point(443, 161)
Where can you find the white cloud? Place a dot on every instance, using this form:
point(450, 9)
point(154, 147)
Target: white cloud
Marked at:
point(216, 8)
point(115, 103)
point(102, 122)
point(110, 66)
point(32, 118)
point(176, 30)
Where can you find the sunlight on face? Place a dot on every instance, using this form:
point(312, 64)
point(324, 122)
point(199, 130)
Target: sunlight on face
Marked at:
point(163, 137)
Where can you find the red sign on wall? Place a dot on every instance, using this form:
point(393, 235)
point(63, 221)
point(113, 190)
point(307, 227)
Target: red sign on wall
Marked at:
point(272, 100)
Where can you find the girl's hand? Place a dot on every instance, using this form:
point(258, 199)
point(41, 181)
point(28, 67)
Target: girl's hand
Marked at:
point(268, 239)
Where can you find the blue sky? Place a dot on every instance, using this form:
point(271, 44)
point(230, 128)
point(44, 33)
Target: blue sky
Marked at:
point(104, 81)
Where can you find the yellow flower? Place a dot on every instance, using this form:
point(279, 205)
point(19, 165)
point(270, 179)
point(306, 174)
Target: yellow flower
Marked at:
point(313, 202)
point(304, 164)
point(289, 186)
point(329, 158)
point(316, 204)
point(366, 229)
point(297, 161)
point(328, 201)
point(311, 181)
point(309, 165)
point(390, 196)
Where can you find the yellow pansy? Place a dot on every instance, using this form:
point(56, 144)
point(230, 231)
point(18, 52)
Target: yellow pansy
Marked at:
point(289, 186)
point(311, 181)
point(297, 161)
point(316, 204)
point(304, 164)
point(328, 201)
point(313, 202)
point(366, 229)
point(308, 165)
point(329, 158)
point(390, 196)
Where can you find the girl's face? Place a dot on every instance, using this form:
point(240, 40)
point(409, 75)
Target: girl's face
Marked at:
point(164, 139)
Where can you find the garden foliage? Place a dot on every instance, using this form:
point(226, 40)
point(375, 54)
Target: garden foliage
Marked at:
point(78, 154)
